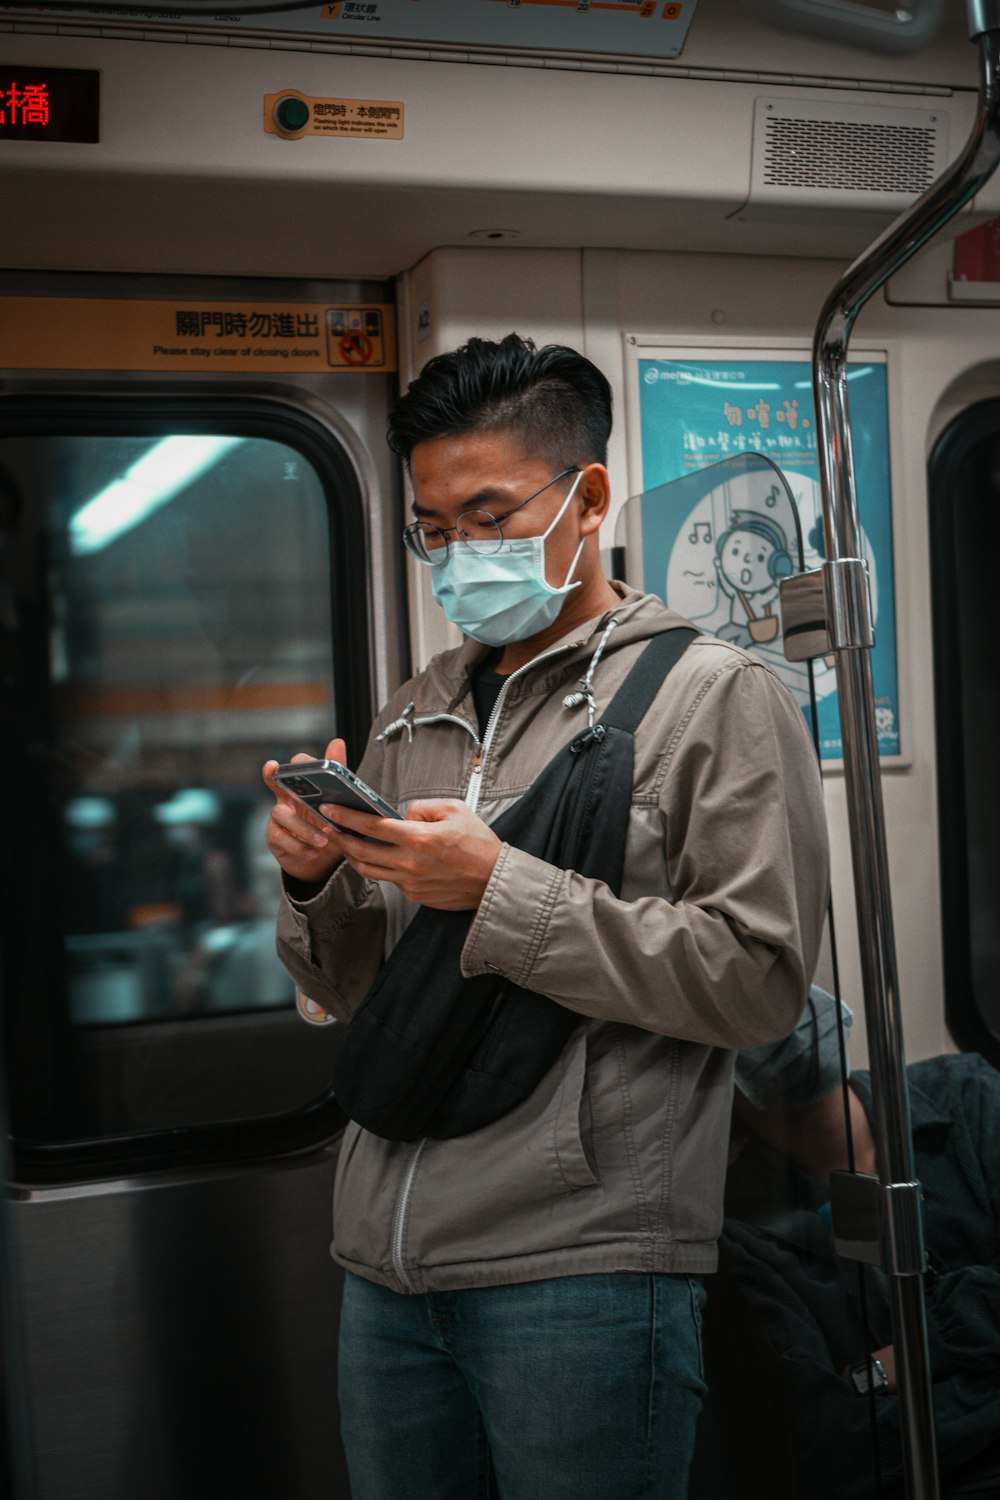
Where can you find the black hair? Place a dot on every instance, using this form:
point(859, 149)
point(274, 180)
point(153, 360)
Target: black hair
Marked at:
point(552, 399)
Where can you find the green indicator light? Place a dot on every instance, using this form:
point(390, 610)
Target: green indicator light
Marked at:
point(291, 113)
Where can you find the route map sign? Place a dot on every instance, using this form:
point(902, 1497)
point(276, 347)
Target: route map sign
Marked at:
point(647, 27)
point(616, 28)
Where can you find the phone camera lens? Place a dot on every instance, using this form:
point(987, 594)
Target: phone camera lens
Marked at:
point(301, 786)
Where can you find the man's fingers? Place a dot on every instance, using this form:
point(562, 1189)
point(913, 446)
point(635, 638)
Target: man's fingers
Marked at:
point(284, 798)
point(268, 772)
point(367, 864)
point(296, 819)
point(434, 809)
point(371, 825)
point(281, 842)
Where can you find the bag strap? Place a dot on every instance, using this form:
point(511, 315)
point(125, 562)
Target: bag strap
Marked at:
point(628, 707)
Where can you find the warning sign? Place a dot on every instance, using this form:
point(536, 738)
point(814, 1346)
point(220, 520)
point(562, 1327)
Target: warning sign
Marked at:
point(85, 333)
point(355, 337)
point(378, 119)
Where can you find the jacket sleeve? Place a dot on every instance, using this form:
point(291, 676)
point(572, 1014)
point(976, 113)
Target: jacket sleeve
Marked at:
point(963, 1303)
point(727, 958)
point(333, 944)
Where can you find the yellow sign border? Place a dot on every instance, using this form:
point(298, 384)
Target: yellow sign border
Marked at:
point(197, 334)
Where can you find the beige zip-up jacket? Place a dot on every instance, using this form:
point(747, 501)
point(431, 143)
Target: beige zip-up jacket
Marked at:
point(616, 1161)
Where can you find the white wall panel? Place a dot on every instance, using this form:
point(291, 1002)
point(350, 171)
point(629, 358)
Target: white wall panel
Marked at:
point(185, 179)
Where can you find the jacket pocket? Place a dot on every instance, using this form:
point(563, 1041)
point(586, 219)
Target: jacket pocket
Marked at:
point(569, 1139)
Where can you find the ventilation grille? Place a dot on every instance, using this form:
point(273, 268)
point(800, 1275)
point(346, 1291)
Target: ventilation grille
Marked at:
point(849, 156)
point(814, 154)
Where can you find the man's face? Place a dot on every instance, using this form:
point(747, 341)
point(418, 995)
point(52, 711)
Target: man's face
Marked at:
point(492, 472)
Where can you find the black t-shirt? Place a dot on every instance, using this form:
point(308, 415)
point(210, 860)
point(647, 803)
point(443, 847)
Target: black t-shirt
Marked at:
point(486, 685)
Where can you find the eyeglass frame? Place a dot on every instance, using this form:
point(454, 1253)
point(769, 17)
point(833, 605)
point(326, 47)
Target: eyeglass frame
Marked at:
point(418, 525)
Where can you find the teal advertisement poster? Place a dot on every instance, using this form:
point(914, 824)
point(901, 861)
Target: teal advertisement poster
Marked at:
point(716, 542)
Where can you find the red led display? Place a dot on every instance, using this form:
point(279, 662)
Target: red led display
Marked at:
point(49, 104)
point(977, 253)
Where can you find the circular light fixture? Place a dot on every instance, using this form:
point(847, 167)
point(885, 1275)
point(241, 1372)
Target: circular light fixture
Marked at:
point(291, 114)
point(493, 234)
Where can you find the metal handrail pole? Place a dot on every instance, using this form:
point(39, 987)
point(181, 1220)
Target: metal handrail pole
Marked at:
point(890, 1096)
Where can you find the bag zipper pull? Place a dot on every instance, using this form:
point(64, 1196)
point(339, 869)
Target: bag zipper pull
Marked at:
point(585, 740)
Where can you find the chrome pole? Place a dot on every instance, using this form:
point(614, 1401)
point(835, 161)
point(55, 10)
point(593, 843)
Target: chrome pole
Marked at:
point(850, 628)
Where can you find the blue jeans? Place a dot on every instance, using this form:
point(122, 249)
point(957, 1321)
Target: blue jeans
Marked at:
point(578, 1388)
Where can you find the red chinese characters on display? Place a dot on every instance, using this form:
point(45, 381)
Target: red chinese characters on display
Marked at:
point(39, 103)
point(27, 105)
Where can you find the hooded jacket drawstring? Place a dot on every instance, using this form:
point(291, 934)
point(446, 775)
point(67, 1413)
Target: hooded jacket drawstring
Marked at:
point(584, 693)
point(398, 725)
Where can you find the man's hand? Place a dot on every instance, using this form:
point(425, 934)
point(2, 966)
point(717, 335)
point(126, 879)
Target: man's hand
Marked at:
point(440, 855)
point(305, 847)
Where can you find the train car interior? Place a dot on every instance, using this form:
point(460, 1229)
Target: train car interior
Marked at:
point(228, 240)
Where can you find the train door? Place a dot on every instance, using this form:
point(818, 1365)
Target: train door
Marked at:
point(964, 477)
point(188, 569)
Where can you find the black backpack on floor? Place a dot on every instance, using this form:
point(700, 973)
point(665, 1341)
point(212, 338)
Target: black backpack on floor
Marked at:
point(430, 1053)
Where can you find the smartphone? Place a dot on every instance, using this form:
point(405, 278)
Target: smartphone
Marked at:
point(316, 782)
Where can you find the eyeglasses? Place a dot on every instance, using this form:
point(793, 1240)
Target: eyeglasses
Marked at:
point(429, 544)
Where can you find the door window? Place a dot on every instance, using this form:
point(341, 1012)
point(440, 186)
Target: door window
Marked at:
point(167, 625)
point(965, 534)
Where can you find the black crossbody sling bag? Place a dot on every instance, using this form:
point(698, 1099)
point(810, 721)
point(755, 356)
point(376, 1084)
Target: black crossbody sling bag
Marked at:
point(430, 1053)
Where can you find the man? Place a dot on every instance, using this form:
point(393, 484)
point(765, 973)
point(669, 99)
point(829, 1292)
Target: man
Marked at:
point(526, 1298)
point(790, 1328)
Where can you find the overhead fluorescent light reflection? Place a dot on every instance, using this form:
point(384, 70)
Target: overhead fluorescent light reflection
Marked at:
point(153, 479)
point(728, 385)
point(806, 385)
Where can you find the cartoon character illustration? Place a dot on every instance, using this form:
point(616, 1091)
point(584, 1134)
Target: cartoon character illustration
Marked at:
point(751, 558)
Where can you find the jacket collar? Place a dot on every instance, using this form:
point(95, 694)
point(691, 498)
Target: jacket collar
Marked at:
point(641, 616)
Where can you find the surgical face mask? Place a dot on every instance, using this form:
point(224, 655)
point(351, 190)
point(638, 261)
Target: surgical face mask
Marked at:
point(498, 597)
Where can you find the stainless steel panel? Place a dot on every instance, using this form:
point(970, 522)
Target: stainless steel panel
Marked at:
point(182, 1336)
point(181, 1330)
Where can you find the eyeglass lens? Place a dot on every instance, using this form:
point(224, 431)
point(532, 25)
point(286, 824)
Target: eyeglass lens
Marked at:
point(430, 544)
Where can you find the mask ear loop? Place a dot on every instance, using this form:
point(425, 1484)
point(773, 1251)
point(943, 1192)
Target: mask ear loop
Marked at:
point(566, 585)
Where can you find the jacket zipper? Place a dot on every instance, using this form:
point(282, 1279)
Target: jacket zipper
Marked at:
point(472, 801)
point(476, 772)
point(400, 1214)
point(402, 1208)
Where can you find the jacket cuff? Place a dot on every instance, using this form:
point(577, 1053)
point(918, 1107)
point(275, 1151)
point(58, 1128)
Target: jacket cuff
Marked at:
point(326, 910)
point(508, 931)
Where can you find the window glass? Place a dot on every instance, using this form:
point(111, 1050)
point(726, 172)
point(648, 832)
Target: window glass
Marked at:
point(965, 535)
point(165, 627)
point(190, 638)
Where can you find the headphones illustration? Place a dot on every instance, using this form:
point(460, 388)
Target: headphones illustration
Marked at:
point(779, 564)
